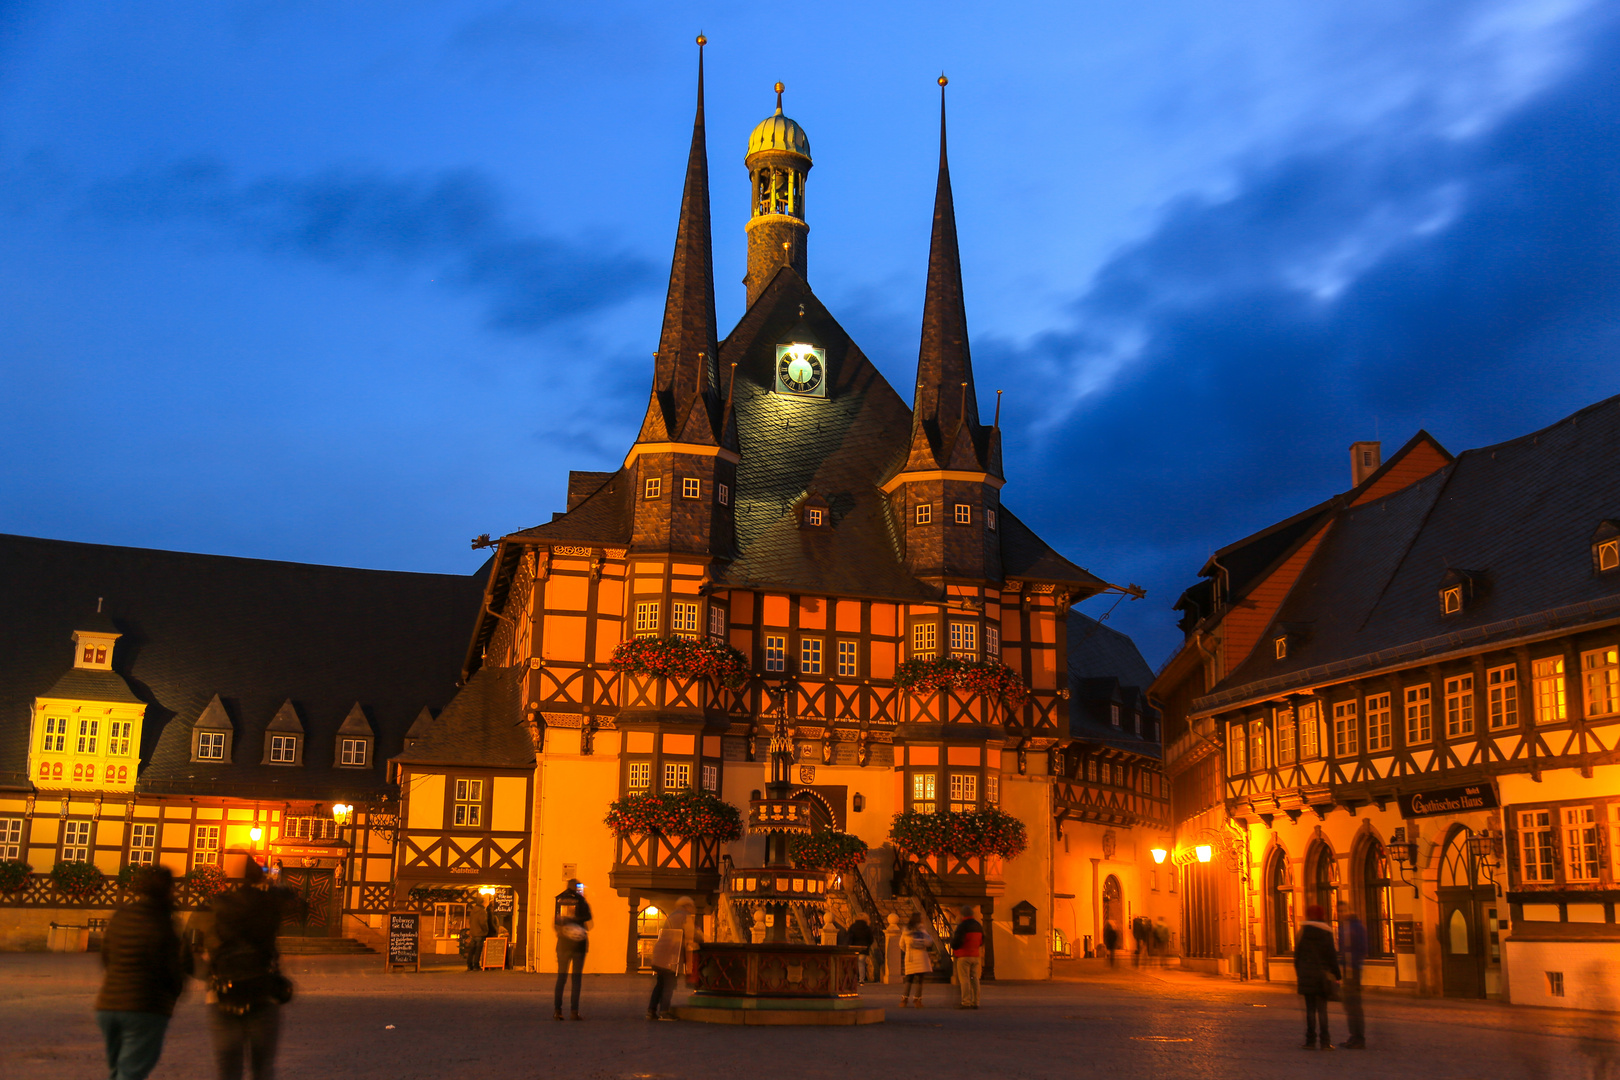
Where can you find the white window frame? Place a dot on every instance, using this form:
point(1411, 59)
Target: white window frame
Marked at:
point(1583, 843)
point(653, 488)
point(1502, 685)
point(1418, 709)
point(210, 746)
point(691, 487)
point(55, 737)
point(810, 656)
point(924, 639)
point(723, 493)
point(1379, 711)
point(1286, 745)
point(76, 841)
point(1549, 693)
point(205, 845)
point(1600, 679)
point(711, 778)
point(1459, 706)
point(924, 791)
point(964, 639)
point(118, 736)
point(992, 789)
point(11, 833)
point(283, 749)
point(775, 652)
point(468, 811)
point(683, 618)
point(352, 752)
point(1237, 747)
point(1346, 730)
point(677, 775)
point(143, 843)
point(964, 513)
point(992, 642)
point(849, 654)
point(647, 622)
point(1257, 745)
point(925, 513)
point(89, 731)
point(1538, 846)
point(964, 791)
point(1310, 730)
point(638, 775)
point(718, 622)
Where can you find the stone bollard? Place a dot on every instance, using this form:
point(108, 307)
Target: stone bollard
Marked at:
point(894, 959)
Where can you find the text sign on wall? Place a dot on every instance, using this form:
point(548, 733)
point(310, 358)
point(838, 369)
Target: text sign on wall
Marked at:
point(404, 938)
point(1457, 800)
point(1405, 942)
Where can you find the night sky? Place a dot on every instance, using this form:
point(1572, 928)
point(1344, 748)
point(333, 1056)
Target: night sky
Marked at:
point(352, 283)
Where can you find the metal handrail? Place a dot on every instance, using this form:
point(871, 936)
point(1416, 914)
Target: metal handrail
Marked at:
point(916, 876)
point(855, 887)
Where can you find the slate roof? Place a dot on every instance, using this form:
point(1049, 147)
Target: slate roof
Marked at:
point(1520, 513)
point(1105, 667)
point(255, 632)
point(483, 725)
point(85, 684)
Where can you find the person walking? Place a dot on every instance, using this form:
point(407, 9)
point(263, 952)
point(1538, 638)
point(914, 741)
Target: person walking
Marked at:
point(144, 971)
point(573, 923)
point(1316, 969)
point(248, 988)
point(1161, 941)
point(478, 919)
point(1352, 952)
point(1139, 935)
point(919, 962)
point(860, 937)
point(675, 941)
point(967, 947)
point(1110, 941)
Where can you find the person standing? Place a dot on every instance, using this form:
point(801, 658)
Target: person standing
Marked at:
point(144, 971)
point(967, 946)
point(1110, 941)
point(678, 938)
point(919, 962)
point(1316, 968)
point(1352, 953)
point(478, 918)
point(573, 924)
point(860, 937)
point(245, 966)
point(1139, 935)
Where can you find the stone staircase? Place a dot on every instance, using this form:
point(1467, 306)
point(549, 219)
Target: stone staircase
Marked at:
point(323, 946)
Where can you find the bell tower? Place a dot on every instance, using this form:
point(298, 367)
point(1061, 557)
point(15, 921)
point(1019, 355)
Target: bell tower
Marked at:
point(778, 162)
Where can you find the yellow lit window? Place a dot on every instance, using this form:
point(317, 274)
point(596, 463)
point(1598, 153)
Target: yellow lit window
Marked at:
point(922, 792)
point(813, 515)
point(1547, 687)
point(1257, 745)
point(1237, 762)
point(118, 734)
point(1310, 730)
point(1608, 556)
point(87, 736)
point(1459, 706)
point(965, 640)
point(638, 775)
point(1451, 600)
point(55, 734)
point(1284, 719)
point(677, 775)
point(1600, 671)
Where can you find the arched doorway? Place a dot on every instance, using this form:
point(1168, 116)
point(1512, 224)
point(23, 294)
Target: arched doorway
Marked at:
point(1377, 900)
point(1113, 909)
point(1280, 903)
point(1466, 904)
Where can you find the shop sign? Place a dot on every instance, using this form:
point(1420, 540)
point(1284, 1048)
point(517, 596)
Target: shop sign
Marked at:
point(1405, 942)
point(1459, 800)
point(404, 940)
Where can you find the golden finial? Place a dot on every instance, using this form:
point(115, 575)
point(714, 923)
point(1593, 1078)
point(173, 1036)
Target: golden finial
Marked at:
point(701, 40)
point(942, 79)
point(779, 89)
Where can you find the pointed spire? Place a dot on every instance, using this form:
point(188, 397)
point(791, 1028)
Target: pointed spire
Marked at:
point(684, 368)
point(945, 428)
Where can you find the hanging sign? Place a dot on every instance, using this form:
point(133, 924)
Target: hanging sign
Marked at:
point(404, 940)
point(1458, 800)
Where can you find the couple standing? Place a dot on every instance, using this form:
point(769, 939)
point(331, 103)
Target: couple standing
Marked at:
point(1318, 970)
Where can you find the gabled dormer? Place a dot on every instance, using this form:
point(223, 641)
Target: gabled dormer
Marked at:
point(814, 512)
point(86, 729)
point(93, 641)
point(1606, 547)
point(355, 741)
point(212, 734)
point(1459, 589)
point(419, 728)
point(284, 737)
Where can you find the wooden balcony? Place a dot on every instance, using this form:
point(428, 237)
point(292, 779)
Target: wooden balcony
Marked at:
point(653, 862)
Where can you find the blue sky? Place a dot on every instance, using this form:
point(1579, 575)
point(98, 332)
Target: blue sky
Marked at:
point(354, 282)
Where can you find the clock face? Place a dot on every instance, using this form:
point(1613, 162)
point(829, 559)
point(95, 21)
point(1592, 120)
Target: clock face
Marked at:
point(801, 369)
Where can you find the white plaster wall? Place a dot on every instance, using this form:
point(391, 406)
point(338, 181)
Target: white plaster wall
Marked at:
point(1591, 973)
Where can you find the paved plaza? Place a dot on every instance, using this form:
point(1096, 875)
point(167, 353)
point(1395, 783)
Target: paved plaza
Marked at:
point(351, 1020)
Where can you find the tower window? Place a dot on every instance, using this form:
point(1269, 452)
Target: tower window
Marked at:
point(990, 519)
point(655, 487)
point(691, 487)
point(925, 513)
point(814, 516)
point(964, 514)
point(723, 493)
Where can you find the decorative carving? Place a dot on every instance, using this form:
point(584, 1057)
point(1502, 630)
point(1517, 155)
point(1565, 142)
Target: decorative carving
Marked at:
point(614, 553)
point(563, 719)
point(579, 551)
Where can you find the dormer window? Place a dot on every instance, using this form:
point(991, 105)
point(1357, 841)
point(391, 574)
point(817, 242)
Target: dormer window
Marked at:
point(814, 516)
point(1608, 556)
point(1451, 600)
point(1606, 547)
point(210, 746)
point(1280, 646)
point(283, 749)
point(353, 752)
point(1459, 589)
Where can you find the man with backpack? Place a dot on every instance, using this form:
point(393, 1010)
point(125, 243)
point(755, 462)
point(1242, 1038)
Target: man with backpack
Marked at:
point(247, 987)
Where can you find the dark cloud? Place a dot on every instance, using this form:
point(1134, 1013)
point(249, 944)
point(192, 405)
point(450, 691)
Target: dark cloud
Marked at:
point(452, 226)
point(1394, 281)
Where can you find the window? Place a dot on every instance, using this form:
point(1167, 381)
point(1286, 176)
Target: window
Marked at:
point(1091, 770)
point(11, 837)
point(1547, 686)
point(308, 827)
point(353, 752)
point(683, 619)
point(1281, 647)
point(992, 789)
point(775, 653)
point(639, 775)
point(76, 842)
point(1378, 725)
point(990, 519)
point(1378, 901)
point(711, 778)
point(677, 775)
point(1310, 731)
point(924, 640)
point(1419, 714)
point(810, 656)
point(1285, 735)
point(1257, 745)
point(211, 745)
point(1113, 715)
point(283, 749)
point(1608, 556)
point(846, 659)
point(964, 640)
point(142, 845)
point(1580, 843)
point(1536, 845)
point(55, 734)
point(992, 643)
point(1459, 706)
point(1234, 748)
point(448, 919)
point(925, 513)
point(205, 849)
point(1451, 600)
point(813, 515)
point(717, 622)
point(1600, 670)
point(1346, 733)
point(964, 791)
point(646, 618)
point(922, 792)
point(691, 487)
point(723, 492)
point(469, 808)
point(964, 513)
point(1503, 685)
point(87, 736)
point(654, 487)
point(1282, 906)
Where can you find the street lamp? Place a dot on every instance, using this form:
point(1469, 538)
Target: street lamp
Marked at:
point(1204, 852)
point(255, 834)
point(341, 812)
point(1158, 854)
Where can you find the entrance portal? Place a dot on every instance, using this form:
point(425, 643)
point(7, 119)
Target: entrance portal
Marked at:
point(1466, 904)
point(311, 913)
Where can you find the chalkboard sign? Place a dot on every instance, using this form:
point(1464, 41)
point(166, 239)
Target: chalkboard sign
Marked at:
point(495, 952)
point(404, 940)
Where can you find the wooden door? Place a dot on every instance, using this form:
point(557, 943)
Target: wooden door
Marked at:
point(1462, 921)
point(310, 903)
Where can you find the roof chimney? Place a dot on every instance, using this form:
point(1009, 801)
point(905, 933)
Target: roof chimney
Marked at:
point(1365, 457)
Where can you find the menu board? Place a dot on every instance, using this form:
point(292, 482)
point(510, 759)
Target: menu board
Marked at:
point(495, 952)
point(404, 940)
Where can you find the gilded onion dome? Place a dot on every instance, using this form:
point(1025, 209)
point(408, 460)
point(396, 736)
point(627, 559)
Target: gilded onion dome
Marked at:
point(778, 132)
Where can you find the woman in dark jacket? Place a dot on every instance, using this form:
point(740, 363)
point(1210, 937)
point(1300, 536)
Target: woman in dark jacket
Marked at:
point(1316, 967)
point(145, 969)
